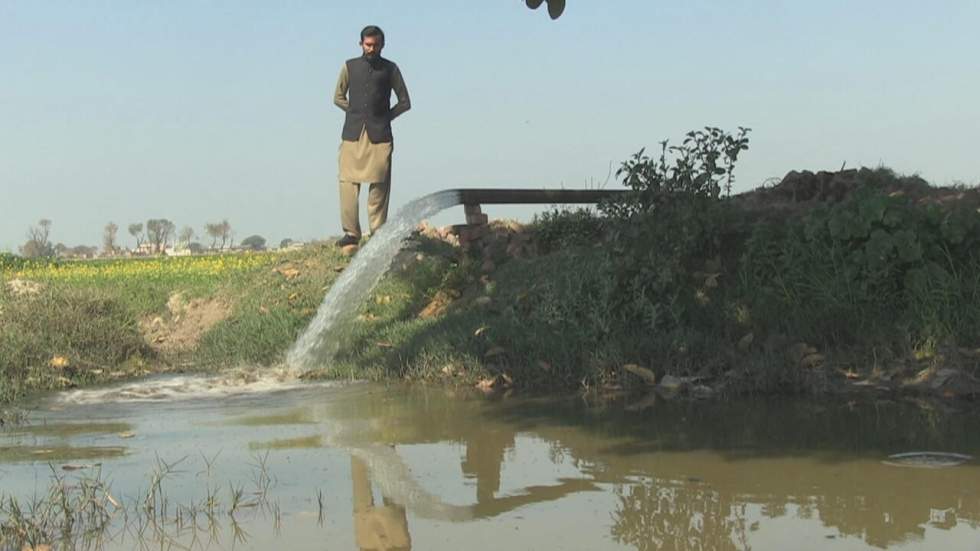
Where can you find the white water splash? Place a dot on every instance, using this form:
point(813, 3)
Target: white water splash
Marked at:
point(172, 388)
point(351, 288)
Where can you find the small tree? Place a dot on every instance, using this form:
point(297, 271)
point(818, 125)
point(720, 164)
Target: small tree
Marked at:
point(38, 240)
point(136, 230)
point(159, 231)
point(254, 242)
point(227, 236)
point(220, 230)
point(185, 236)
point(285, 243)
point(32, 249)
point(214, 232)
point(109, 238)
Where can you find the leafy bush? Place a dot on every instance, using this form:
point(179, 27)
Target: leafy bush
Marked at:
point(668, 232)
point(563, 228)
point(871, 263)
point(701, 166)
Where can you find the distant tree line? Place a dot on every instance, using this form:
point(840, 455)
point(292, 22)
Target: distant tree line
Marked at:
point(155, 236)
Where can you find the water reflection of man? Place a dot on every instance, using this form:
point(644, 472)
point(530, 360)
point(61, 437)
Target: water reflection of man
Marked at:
point(383, 527)
point(484, 457)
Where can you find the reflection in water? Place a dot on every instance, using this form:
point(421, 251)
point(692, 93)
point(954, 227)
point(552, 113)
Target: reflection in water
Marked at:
point(314, 441)
point(376, 527)
point(65, 430)
point(675, 516)
point(484, 456)
point(691, 476)
point(430, 470)
point(10, 454)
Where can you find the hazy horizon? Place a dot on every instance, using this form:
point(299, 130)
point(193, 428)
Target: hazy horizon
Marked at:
point(197, 112)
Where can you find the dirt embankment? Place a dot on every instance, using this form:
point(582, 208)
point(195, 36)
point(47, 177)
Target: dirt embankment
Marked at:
point(799, 191)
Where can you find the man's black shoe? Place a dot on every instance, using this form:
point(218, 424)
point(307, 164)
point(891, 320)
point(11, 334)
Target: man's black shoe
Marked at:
point(347, 240)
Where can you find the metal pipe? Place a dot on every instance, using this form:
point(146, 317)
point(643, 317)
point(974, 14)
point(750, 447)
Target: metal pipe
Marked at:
point(498, 196)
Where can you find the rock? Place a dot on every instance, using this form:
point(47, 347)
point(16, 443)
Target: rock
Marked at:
point(702, 391)
point(482, 301)
point(942, 376)
point(495, 383)
point(948, 381)
point(671, 383)
point(798, 351)
point(746, 342)
point(438, 306)
point(495, 351)
point(649, 377)
point(428, 231)
point(812, 361)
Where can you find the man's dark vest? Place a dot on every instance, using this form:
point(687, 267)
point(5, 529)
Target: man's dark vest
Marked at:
point(369, 96)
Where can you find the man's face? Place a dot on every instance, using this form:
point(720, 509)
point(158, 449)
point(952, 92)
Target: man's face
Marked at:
point(372, 45)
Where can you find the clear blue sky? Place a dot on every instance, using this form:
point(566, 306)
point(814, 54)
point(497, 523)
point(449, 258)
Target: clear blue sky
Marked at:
point(201, 110)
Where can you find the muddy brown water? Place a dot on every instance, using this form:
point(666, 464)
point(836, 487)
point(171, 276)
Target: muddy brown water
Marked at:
point(363, 466)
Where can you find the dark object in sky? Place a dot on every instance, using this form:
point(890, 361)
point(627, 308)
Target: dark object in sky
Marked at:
point(555, 7)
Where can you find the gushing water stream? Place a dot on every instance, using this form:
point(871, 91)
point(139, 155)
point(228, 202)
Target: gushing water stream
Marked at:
point(315, 347)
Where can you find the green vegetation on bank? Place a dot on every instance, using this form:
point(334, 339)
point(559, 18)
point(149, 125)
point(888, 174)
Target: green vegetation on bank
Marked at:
point(67, 323)
point(856, 275)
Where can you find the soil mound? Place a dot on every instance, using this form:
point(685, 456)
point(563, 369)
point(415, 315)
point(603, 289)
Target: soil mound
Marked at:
point(184, 324)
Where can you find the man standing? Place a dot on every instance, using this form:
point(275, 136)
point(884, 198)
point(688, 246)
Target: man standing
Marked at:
point(364, 93)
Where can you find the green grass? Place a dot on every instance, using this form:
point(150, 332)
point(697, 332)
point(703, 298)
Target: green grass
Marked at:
point(82, 323)
point(873, 285)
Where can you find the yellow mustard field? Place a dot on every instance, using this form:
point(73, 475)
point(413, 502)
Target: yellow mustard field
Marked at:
point(143, 269)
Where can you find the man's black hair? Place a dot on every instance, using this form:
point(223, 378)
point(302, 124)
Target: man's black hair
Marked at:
point(372, 30)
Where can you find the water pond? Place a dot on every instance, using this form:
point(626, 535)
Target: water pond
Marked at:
point(182, 462)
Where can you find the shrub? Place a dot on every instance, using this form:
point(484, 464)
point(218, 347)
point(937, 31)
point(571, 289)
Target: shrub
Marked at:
point(563, 228)
point(872, 263)
point(667, 234)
